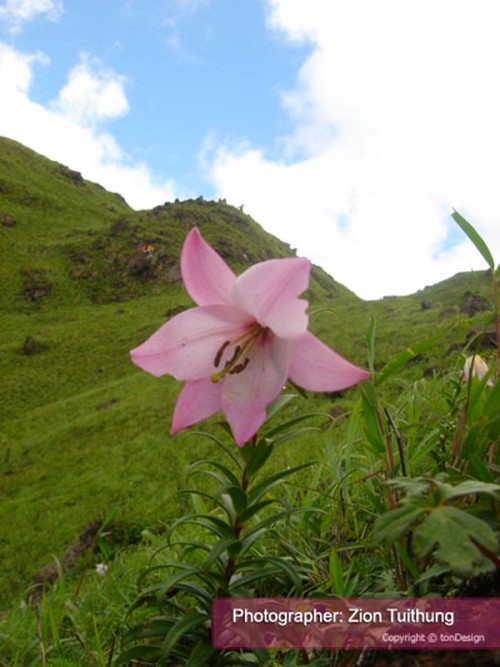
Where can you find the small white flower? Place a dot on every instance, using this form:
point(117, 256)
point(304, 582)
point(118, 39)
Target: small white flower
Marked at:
point(101, 569)
point(476, 366)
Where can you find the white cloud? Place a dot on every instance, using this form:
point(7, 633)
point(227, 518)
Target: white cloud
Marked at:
point(64, 132)
point(92, 94)
point(16, 73)
point(396, 113)
point(17, 12)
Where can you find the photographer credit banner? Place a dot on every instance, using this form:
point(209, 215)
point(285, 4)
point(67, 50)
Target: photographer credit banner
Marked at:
point(357, 623)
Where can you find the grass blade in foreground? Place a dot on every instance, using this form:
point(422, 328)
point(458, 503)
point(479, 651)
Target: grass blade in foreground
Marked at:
point(476, 239)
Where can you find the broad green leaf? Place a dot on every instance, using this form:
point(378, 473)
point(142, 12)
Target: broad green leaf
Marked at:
point(475, 237)
point(471, 486)
point(390, 526)
point(449, 532)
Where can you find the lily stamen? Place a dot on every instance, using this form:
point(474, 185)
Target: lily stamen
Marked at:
point(232, 366)
point(239, 368)
point(220, 352)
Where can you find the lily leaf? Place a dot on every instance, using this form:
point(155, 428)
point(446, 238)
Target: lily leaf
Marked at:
point(279, 404)
point(175, 634)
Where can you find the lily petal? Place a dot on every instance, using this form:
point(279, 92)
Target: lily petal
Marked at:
point(288, 319)
point(186, 346)
point(198, 400)
point(246, 395)
point(265, 289)
point(207, 277)
point(316, 367)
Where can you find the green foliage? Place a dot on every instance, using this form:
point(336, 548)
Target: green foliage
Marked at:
point(453, 533)
point(224, 551)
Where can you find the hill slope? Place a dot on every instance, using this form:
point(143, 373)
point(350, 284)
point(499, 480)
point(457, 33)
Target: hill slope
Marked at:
point(85, 433)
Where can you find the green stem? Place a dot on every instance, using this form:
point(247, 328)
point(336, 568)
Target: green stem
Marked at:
point(496, 300)
point(231, 562)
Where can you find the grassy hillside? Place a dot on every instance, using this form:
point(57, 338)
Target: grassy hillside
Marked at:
point(84, 433)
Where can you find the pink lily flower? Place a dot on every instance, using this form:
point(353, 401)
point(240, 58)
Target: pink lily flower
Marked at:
point(246, 337)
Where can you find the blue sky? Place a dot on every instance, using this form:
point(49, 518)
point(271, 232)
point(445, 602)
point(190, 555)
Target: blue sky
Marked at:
point(349, 129)
point(190, 71)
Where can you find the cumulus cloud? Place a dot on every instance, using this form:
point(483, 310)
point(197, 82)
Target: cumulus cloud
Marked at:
point(70, 128)
point(92, 93)
point(17, 12)
point(396, 114)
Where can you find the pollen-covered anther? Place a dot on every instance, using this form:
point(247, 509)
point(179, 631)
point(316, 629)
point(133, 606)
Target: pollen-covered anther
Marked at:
point(233, 365)
point(220, 352)
point(239, 368)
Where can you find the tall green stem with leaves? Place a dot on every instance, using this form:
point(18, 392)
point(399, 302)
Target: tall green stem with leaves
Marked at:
point(229, 556)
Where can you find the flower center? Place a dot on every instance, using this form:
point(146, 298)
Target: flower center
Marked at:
point(239, 359)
